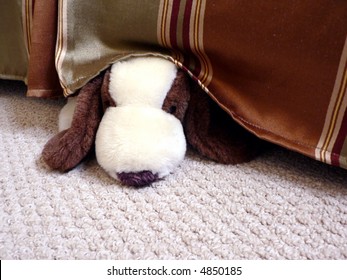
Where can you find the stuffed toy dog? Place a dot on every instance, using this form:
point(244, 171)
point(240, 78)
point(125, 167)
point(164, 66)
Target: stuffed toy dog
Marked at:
point(139, 114)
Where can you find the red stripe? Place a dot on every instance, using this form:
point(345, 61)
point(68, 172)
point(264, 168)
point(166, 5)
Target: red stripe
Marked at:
point(196, 44)
point(341, 138)
point(186, 24)
point(185, 32)
point(173, 24)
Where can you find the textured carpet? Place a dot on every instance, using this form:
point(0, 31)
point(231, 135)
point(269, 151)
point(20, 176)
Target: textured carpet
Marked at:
point(280, 206)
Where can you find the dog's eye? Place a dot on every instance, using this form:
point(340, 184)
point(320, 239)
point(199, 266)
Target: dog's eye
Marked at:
point(172, 109)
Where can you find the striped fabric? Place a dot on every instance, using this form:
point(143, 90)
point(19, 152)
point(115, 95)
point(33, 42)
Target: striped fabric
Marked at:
point(61, 44)
point(332, 145)
point(27, 18)
point(180, 28)
point(277, 67)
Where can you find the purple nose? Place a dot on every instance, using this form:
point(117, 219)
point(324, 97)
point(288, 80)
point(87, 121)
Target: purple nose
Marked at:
point(137, 179)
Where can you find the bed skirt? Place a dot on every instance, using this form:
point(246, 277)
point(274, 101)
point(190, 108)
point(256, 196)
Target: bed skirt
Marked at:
point(279, 68)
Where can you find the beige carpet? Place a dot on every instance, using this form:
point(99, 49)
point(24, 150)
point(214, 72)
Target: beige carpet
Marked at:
point(280, 206)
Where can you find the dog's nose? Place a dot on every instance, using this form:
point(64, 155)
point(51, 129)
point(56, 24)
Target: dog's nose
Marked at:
point(137, 179)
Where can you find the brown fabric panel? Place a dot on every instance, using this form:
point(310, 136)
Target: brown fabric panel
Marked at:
point(270, 64)
point(42, 76)
point(275, 64)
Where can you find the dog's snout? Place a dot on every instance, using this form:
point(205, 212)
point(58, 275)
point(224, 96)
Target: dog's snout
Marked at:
point(137, 179)
point(146, 143)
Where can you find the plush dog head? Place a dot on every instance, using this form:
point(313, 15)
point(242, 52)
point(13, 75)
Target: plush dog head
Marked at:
point(137, 141)
point(139, 114)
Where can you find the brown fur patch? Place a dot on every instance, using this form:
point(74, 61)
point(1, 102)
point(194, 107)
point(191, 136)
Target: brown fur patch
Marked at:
point(214, 134)
point(66, 149)
point(107, 100)
point(177, 99)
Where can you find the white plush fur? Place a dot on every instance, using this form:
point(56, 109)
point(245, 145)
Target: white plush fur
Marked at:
point(66, 114)
point(134, 138)
point(138, 135)
point(143, 81)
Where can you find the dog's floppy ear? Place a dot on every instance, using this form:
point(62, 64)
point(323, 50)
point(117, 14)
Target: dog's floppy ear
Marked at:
point(67, 149)
point(177, 99)
point(107, 100)
point(214, 134)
